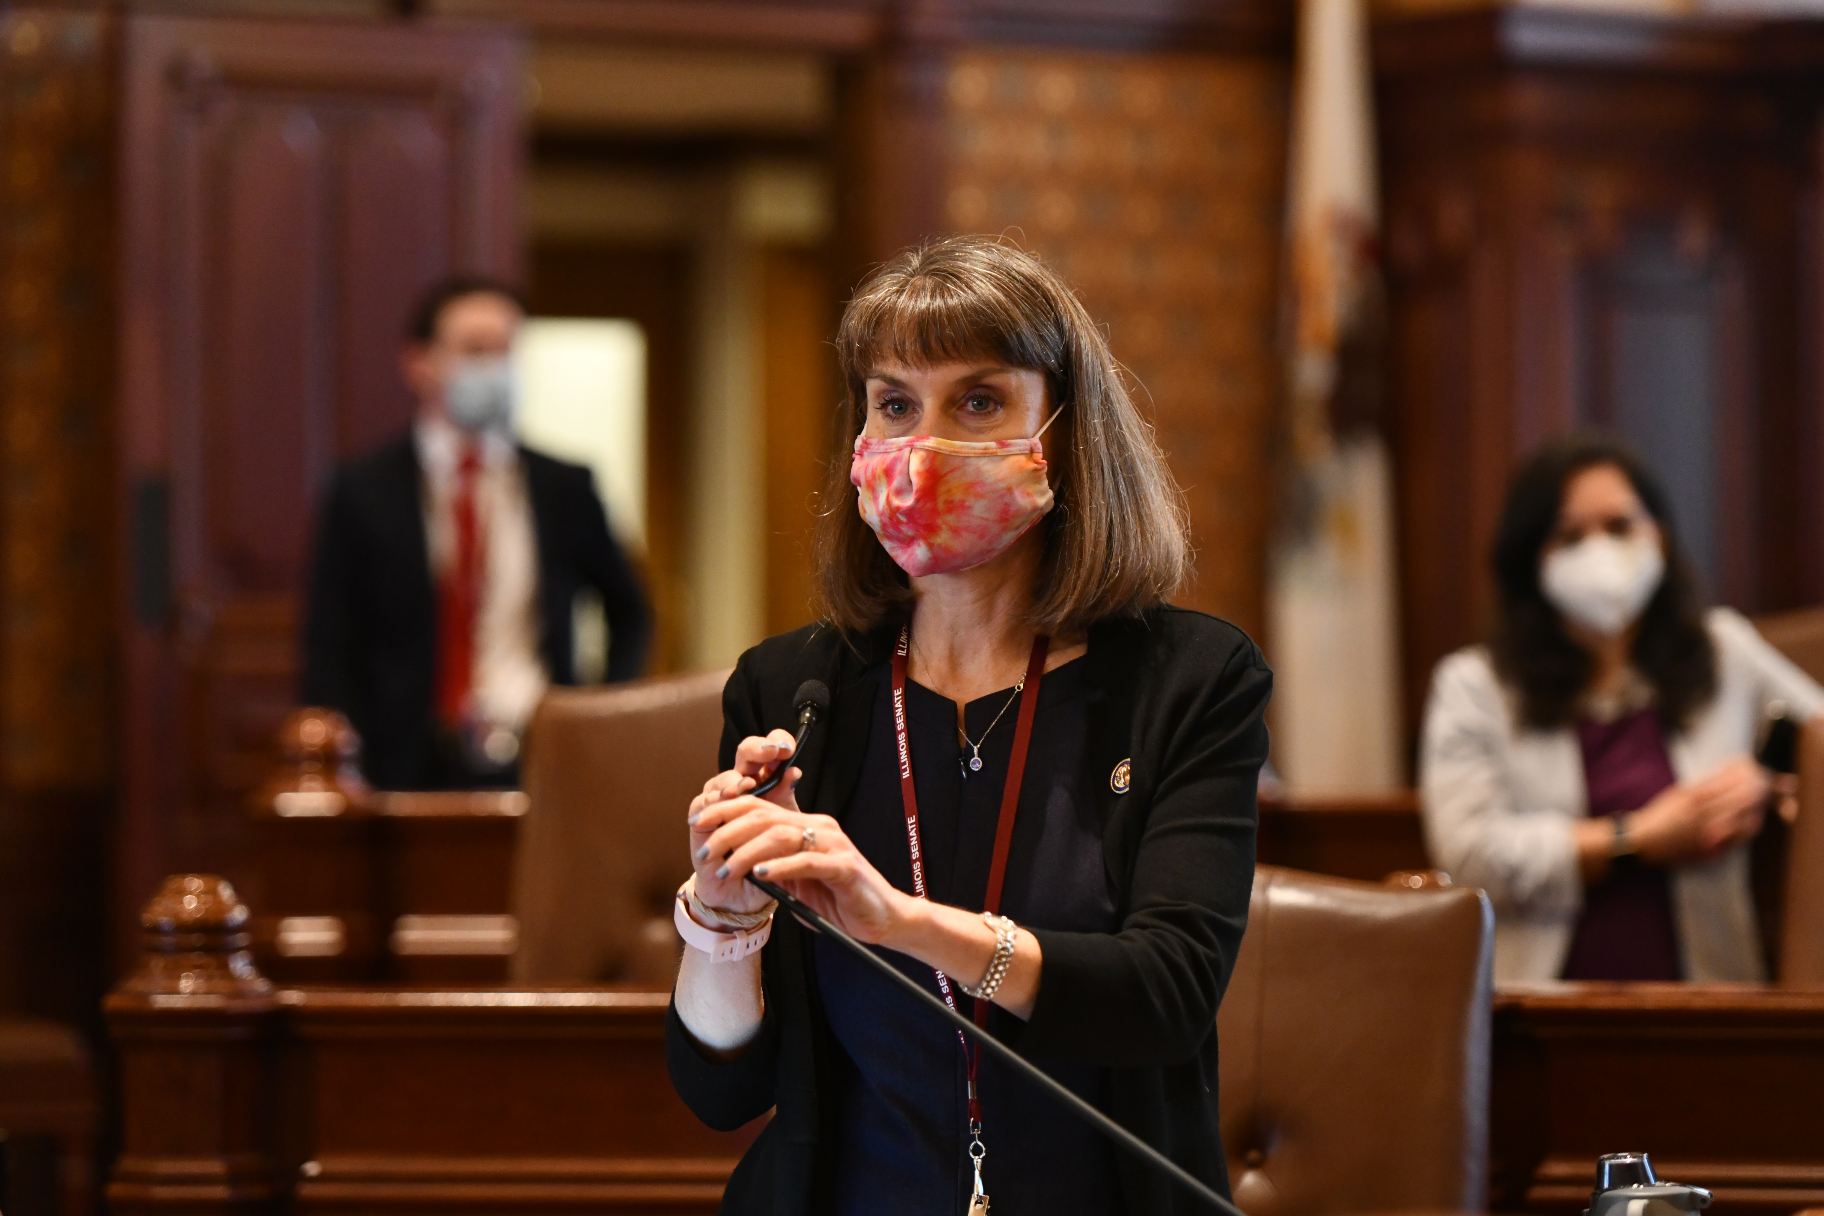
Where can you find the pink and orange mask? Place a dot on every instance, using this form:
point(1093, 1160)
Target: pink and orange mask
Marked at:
point(943, 505)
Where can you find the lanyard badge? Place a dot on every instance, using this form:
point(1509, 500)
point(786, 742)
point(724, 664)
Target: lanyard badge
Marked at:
point(997, 872)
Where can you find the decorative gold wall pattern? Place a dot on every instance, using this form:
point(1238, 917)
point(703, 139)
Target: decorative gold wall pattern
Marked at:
point(57, 129)
point(1154, 184)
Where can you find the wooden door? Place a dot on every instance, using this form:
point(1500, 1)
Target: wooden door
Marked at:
point(288, 188)
point(650, 285)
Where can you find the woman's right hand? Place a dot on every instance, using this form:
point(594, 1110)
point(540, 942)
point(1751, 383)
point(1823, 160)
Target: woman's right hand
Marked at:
point(1689, 822)
point(755, 759)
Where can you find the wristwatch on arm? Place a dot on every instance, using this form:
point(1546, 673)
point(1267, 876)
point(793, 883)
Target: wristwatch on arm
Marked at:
point(1623, 844)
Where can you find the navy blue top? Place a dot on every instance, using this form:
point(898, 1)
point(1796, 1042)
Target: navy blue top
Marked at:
point(905, 1117)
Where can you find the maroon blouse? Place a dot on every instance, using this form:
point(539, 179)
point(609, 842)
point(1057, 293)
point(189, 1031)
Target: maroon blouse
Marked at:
point(1626, 931)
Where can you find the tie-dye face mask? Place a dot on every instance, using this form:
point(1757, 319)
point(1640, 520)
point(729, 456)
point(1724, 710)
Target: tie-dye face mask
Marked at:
point(941, 505)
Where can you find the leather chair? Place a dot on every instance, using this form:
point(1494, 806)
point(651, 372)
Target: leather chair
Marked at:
point(1355, 1048)
point(609, 774)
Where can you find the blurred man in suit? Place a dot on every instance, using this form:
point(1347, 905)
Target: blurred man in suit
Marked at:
point(448, 563)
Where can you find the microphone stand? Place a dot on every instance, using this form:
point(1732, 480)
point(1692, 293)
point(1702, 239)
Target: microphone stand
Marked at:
point(808, 712)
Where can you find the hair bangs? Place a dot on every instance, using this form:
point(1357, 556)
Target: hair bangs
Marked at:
point(936, 318)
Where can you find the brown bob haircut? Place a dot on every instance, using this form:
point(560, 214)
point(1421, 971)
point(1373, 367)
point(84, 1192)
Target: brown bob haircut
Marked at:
point(1116, 543)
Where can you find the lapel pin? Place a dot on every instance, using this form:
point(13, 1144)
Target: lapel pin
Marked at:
point(1122, 777)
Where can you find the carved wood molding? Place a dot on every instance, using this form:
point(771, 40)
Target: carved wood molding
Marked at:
point(371, 1183)
point(1562, 37)
point(1523, 35)
point(1259, 26)
point(826, 27)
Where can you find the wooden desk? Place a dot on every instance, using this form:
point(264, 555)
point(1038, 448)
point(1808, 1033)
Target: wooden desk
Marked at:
point(396, 1100)
point(241, 1097)
point(1721, 1084)
point(1366, 836)
point(388, 888)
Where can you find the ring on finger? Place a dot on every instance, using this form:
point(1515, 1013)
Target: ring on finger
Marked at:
point(809, 843)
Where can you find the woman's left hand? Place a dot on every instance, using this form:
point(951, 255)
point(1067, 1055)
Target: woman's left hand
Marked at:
point(830, 874)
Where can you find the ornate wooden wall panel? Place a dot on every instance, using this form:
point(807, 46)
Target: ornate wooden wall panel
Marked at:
point(1153, 183)
point(57, 121)
point(288, 190)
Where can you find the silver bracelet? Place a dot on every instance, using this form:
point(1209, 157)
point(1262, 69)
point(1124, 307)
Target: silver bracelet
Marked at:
point(1006, 936)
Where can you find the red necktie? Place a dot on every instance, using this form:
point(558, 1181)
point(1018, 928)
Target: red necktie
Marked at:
point(458, 597)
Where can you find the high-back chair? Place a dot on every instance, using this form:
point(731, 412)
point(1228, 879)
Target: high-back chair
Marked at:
point(1800, 951)
point(1355, 1048)
point(1799, 635)
point(609, 774)
point(1789, 863)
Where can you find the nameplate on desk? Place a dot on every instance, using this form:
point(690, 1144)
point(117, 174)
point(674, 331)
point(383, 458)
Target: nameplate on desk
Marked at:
point(309, 804)
point(310, 936)
point(421, 934)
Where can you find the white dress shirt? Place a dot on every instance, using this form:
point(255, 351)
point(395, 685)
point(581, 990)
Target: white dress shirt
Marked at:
point(509, 676)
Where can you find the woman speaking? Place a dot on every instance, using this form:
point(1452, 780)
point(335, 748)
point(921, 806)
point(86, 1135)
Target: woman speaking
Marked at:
point(1035, 787)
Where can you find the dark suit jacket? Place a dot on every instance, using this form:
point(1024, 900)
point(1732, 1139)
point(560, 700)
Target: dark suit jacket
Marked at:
point(370, 639)
point(1183, 698)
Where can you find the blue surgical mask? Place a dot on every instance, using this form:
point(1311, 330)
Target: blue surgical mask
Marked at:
point(479, 395)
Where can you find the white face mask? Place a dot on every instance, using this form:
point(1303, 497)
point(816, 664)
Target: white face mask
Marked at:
point(1603, 582)
point(479, 395)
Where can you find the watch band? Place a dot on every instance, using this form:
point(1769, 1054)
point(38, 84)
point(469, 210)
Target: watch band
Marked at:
point(721, 947)
point(1623, 844)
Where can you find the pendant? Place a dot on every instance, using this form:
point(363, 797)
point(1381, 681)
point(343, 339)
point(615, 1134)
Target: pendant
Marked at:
point(975, 764)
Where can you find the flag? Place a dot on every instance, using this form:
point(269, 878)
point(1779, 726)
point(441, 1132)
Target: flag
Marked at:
point(1332, 607)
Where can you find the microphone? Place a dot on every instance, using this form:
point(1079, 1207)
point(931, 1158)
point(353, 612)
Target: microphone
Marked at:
point(812, 702)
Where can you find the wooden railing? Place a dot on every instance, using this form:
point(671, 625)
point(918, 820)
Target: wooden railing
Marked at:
point(360, 886)
point(1364, 835)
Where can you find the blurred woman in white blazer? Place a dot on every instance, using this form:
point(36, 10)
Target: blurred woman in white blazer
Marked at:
point(1592, 766)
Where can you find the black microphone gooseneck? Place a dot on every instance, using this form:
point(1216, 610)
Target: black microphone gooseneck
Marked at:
point(812, 701)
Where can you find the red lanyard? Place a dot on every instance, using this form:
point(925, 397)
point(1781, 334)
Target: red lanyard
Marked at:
point(1003, 829)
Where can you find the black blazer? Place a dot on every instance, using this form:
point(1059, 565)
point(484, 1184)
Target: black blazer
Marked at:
point(1182, 696)
point(370, 637)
